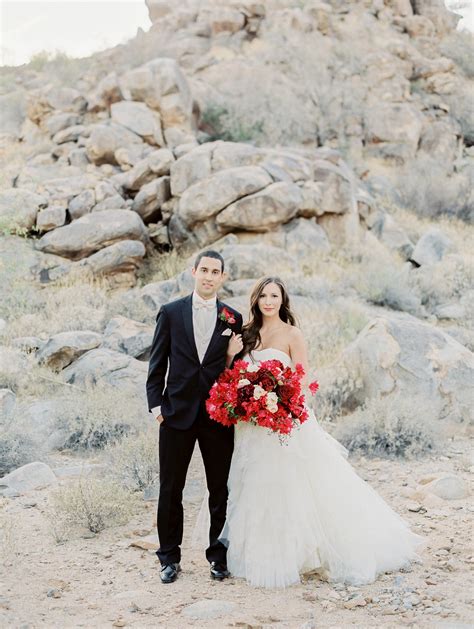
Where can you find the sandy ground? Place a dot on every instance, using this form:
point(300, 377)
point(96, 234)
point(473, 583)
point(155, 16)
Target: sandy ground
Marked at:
point(105, 582)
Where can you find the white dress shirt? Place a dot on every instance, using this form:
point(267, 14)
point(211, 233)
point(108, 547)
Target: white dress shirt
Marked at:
point(204, 322)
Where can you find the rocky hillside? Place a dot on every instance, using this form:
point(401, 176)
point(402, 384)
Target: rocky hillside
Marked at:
point(328, 142)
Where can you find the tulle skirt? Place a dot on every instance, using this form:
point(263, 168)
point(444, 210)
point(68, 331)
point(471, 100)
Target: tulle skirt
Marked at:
point(300, 506)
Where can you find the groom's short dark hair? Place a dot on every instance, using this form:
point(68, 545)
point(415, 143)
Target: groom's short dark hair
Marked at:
point(209, 254)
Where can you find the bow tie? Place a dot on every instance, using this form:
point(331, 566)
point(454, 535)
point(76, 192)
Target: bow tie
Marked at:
point(204, 305)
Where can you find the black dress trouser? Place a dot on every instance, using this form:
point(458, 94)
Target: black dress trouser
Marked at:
point(216, 443)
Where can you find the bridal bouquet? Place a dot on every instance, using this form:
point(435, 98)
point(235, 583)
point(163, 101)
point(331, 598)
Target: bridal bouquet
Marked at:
point(268, 395)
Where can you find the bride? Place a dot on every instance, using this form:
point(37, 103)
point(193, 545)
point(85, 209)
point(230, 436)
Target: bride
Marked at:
point(300, 506)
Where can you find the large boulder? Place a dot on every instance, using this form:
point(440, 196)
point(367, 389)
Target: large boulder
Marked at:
point(277, 203)
point(190, 168)
point(31, 476)
point(207, 197)
point(250, 261)
point(128, 336)
point(105, 139)
point(119, 263)
point(431, 247)
point(140, 119)
point(161, 84)
point(394, 123)
point(151, 197)
point(19, 207)
point(93, 232)
point(400, 354)
point(63, 348)
point(106, 365)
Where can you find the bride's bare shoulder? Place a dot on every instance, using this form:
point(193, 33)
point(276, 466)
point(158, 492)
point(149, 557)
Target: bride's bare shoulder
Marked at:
point(294, 332)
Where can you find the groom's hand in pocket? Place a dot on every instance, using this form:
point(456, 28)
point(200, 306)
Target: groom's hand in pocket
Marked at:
point(159, 418)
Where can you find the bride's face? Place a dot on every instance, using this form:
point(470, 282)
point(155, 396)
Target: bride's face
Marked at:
point(270, 300)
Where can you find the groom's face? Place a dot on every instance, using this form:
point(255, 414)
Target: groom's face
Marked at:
point(208, 277)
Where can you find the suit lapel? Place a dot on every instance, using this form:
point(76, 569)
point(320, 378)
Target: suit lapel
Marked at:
point(217, 331)
point(188, 324)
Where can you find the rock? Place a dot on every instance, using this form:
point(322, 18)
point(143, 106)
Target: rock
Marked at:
point(151, 197)
point(128, 336)
point(402, 354)
point(222, 19)
point(208, 609)
point(140, 119)
point(207, 197)
point(235, 154)
point(398, 123)
point(161, 84)
point(63, 348)
point(20, 207)
point(392, 234)
point(145, 544)
point(357, 601)
point(81, 204)
point(114, 202)
point(303, 237)
point(50, 218)
point(31, 476)
point(118, 262)
point(189, 169)
point(104, 140)
point(448, 487)
point(60, 120)
point(7, 402)
point(69, 134)
point(160, 162)
point(431, 247)
point(106, 365)
point(158, 293)
point(107, 92)
point(247, 261)
point(93, 232)
point(262, 211)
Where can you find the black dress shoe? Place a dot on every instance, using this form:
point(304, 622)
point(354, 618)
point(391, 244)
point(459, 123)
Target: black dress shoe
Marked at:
point(219, 571)
point(169, 572)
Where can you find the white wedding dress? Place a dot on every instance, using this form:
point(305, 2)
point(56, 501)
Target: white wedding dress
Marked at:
point(300, 506)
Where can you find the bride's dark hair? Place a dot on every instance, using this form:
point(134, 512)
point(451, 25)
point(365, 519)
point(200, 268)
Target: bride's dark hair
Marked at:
point(251, 330)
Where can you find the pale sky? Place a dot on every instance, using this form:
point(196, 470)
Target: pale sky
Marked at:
point(81, 27)
point(76, 27)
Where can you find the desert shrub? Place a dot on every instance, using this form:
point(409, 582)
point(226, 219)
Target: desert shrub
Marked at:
point(223, 123)
point(459, 46)
point(59, 66)
point(383, 279)
point(60, 308)
point(94, 504)
point(161, 266)
point(328, 328)
point(133, 461)
point(338, 393)
point(394, 425)
point(428, 188)
point(15, 450)
point(97, 415)
point(451, 279)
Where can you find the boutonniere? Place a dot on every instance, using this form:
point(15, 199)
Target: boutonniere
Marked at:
point(226, 316)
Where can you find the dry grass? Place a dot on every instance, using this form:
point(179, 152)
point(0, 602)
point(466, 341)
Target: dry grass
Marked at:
point(133, 462)
point(429, 189)
point(92, 504)
point(394, 425)
point(96, 416)
point(8, 537)
point(328, 328)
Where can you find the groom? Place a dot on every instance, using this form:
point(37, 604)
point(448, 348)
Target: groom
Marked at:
point(191, 342)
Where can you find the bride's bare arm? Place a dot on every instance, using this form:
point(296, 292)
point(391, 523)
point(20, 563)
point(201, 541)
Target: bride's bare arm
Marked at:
point(299, 352)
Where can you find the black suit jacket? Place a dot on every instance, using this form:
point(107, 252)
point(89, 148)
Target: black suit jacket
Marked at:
point(189, 381)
